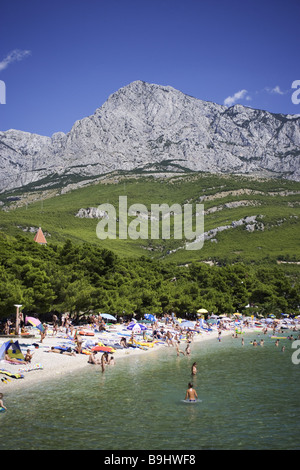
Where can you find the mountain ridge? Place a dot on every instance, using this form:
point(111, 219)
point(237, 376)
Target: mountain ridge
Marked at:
point(145, 124)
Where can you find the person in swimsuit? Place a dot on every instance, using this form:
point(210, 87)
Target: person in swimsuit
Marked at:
point(111, 361)
point(93, 359)
point(191, 393)
point(61, 351)
point(194, 368)
point(177, 348)
point(104, 361)
point(28, 356)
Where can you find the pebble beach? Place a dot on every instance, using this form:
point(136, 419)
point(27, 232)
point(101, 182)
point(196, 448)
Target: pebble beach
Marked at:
point(46, 365)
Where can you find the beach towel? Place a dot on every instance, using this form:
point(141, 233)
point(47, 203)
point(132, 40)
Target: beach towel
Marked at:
point(31, 367)
point(11, 374)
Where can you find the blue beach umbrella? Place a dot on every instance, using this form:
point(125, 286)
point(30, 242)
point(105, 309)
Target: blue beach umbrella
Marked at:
point(149, 317)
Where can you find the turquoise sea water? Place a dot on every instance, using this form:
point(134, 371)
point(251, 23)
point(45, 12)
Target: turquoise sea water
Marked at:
point(250, 400)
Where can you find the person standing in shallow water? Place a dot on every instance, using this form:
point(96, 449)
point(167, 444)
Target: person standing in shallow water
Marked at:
point(194, 368)
point(191, 393)
point(177, 348)
point(188, 350)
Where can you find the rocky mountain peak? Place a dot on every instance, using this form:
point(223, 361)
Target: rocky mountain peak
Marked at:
point(143, 125)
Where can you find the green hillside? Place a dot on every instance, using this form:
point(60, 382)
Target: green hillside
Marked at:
point(274, 236)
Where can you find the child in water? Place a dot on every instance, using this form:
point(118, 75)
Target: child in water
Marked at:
point(191, 393)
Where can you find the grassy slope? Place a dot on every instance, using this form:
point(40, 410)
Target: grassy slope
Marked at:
point(280, 239)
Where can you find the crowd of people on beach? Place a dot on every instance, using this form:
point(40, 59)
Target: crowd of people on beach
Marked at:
point(167, 330)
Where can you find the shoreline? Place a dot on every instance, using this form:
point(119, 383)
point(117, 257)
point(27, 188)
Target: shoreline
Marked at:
point(57, 365)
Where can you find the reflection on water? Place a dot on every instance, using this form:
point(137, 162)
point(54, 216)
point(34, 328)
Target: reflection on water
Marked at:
point(249, 400)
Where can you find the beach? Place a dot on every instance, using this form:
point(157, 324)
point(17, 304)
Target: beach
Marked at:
point(247, 395)
point(55, 365)
point(46, 365)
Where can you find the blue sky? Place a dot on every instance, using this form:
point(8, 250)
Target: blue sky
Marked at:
point(61, 60)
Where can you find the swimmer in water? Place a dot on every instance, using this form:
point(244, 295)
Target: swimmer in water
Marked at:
point(191, 393)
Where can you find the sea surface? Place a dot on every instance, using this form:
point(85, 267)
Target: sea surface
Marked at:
point(249, 399)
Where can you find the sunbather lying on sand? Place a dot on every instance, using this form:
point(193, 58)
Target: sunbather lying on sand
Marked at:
point(61, 351)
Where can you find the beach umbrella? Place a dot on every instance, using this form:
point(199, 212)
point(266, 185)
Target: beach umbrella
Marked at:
point(136, 327)
point(34, 322)
point(107, 316)
point(149, 317)
point(202, 310)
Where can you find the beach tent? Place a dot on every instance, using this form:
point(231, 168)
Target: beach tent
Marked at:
point(12, 349)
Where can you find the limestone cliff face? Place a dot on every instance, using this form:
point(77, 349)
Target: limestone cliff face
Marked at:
point(145, 124)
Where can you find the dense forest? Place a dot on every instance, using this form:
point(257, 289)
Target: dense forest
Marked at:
point(83, 278)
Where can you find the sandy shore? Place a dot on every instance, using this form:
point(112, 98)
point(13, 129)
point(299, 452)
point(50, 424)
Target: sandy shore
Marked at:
point(56, 365)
